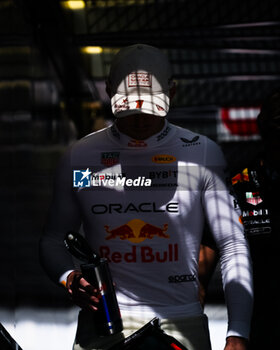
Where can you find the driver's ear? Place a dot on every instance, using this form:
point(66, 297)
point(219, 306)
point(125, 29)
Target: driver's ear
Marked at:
point(172, 90)
point(108, 88)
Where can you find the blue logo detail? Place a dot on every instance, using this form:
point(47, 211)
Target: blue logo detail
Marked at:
point(81, 178)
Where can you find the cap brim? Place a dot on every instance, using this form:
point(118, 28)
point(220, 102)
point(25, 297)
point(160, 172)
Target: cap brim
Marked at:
point(123, 105)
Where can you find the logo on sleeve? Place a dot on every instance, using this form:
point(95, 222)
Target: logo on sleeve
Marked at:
point(193, 142)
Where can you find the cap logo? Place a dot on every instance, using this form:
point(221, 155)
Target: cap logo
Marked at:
point(139, 103)
point(140, 79)
point(160, 109)
point(123, 106)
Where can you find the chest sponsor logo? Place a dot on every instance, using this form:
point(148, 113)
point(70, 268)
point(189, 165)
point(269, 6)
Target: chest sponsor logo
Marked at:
point(192, 142)
point(181, 278)
point(144, 254)
point(254, 231)
point(165, 174)
point(146, 207)
point(136, 231)
point(163, 159)
point(253, 198)
point(256, 221)
point(137, 143)
point(110, 158)
point(252, 213)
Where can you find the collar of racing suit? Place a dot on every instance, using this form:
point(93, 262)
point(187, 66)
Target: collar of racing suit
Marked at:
point(127, 142)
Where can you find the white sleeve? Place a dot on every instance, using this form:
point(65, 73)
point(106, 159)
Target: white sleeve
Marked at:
point(63, 277)
point(229, 236)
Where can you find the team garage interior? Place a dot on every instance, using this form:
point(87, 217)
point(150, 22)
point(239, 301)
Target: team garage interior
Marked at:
point(54, 59)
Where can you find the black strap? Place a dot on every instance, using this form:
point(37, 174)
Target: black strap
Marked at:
point(149, 337)
point(6, 341)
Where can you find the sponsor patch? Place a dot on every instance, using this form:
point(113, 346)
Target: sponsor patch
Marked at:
point(110, 158)
point(253, 198)
point(141, 79)
point(143, 254)
point(137, 143)
point(146, 207)
point(193, 142)
point(252, 213)
point(123, 106)
point(181, 278)
point(136, 231)
point(163, 159)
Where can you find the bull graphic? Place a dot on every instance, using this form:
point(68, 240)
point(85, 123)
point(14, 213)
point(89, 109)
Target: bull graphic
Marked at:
point(149, 231)
point(123, 232)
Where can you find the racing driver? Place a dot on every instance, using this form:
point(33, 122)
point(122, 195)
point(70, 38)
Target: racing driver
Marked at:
point(141, 190)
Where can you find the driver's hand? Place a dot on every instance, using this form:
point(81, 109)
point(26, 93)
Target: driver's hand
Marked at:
point(81, 292)
point(236, 343)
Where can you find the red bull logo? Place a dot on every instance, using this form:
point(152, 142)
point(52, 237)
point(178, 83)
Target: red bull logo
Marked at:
point(142, 254)
point(241, 177)
point(136, 231)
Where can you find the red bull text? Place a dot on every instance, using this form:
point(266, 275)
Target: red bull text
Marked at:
point(144, 254)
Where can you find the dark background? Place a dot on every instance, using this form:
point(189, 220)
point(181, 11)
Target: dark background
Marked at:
point(224, 54)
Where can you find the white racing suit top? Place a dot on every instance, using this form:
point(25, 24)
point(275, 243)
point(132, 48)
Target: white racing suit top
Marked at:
point(142, 205)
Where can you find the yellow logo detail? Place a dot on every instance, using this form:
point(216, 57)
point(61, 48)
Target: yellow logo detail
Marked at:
point(136, 231)
point(163, 159)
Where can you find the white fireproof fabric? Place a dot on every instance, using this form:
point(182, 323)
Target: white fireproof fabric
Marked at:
point(151, 234)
